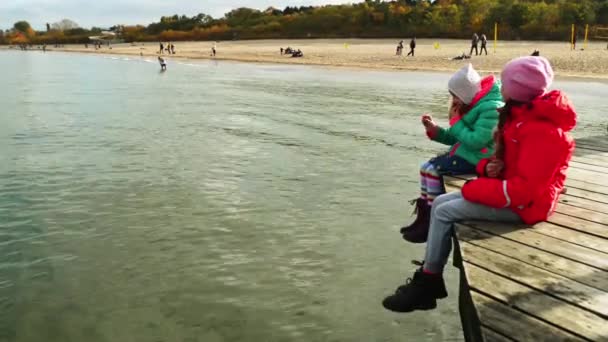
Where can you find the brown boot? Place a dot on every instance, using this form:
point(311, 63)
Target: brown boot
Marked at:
point(418, 231)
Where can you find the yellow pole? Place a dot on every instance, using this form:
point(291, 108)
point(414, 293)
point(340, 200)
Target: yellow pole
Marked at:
point(495, 35)
point(586, 34)
point(572, 39)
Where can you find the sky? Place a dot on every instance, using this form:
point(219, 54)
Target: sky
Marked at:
point(106, 13)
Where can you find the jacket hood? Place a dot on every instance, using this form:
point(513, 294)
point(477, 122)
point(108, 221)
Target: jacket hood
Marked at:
point(554, 107)
point(490, 91)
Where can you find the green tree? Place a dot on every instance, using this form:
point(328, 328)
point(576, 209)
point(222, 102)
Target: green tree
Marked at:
point(22, 26)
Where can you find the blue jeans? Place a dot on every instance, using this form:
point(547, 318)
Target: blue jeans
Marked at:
point(448, 209)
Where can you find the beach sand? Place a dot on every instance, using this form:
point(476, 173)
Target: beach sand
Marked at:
point(380, 54)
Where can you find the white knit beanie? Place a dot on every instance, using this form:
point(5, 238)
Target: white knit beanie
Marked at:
point(465, 84)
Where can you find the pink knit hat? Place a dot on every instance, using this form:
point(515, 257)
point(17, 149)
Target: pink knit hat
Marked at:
point(526, 78)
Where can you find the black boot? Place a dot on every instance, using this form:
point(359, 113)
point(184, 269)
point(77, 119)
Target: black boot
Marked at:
point(419, 293)
point(418, 231)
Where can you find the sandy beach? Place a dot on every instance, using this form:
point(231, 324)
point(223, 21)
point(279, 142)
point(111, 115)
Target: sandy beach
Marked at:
point(380, 54)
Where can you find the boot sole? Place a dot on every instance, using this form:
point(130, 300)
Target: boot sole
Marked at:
point(420, 307)
point(408, 239)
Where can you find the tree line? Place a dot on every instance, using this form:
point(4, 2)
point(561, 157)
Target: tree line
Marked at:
point(517, 19)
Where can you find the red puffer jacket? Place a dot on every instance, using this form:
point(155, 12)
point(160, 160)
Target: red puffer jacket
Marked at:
point(537, 150)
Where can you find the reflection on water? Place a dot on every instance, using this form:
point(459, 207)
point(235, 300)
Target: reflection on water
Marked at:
point(201, 204)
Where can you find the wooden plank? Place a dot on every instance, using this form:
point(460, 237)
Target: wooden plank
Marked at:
point(546, 243)
point(582, 152)
point(572, 236)
point(590, 146)
point(567, 268)
point(560, 287)
point(590, 150)
point(584, 203)
point(582, 225)
point(583, 213)
point(537, 304)
point(598, 188)
point(490, 336)
point(515, 324)
point(590, 160)
point(586, 176)
point(582, 193)
point(596, 168)
point(600, 140)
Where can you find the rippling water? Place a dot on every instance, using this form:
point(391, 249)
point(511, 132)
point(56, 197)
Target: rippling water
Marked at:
point(214, 202)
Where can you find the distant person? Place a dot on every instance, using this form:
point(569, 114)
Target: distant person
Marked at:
point(484, 42)
point(162, 48)
point(574, 41)
point(172, 49)
point(213, 51)
point(536, 53)
point(474, 43)
point(298, 53)
point(412, 47)
point(281, 51)
point(44, 48)
point(400, 48)
point(163, 64)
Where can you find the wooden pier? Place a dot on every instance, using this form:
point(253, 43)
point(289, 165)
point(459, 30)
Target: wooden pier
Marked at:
point(546, 283)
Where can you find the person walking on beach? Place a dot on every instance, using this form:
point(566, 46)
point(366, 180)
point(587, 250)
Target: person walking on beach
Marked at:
point(281, 51)
point(163, 64)
point(474, 43)
point(162, 48)
point(473, 116)
point(521, 183)
point(172, 49)
point(412, 47)
point(213, 51)
point(484, 42)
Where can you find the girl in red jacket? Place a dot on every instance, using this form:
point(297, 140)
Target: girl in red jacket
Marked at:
point(521, 183)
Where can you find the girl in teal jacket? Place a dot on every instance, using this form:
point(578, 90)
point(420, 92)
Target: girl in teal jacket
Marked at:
point(473, 117)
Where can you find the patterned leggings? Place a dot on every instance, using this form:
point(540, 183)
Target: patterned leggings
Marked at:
point(432, 172)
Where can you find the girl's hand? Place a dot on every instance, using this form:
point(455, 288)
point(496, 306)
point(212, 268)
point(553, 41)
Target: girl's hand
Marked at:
point(428, 123)
point(494, 168)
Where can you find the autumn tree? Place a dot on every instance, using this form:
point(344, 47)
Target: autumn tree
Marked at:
point(65, 25)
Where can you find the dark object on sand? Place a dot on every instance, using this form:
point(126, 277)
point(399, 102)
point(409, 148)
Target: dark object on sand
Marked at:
point(461, 57)
point(297, 53)
point(536, 53)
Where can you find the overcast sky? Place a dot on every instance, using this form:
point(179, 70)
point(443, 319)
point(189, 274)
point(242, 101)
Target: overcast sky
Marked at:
point(105, 13)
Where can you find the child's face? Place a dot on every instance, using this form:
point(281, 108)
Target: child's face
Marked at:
point(457, 105)
point(456, 102)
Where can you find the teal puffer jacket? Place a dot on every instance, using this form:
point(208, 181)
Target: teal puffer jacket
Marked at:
point(471, 137)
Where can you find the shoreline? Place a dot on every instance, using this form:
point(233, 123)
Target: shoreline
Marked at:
point(374, 54)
